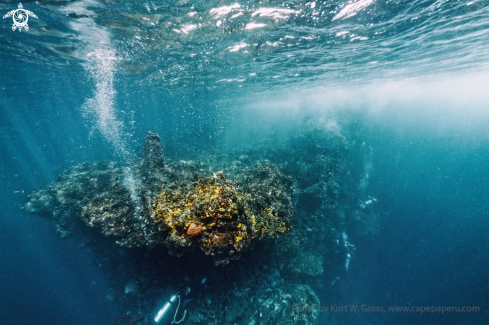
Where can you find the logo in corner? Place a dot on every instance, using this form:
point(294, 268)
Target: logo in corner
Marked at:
point(20, 17)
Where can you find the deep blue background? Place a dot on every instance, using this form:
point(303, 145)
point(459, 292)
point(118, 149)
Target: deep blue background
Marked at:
point(431, 182)
point(43, 280)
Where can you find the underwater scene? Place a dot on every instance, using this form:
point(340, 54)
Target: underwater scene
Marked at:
point(244, 162)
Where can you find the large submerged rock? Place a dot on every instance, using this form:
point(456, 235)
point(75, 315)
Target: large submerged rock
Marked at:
point(278, 203)
point(181, 204)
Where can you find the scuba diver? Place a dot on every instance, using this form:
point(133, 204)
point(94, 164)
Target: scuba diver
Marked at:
point(170, 312)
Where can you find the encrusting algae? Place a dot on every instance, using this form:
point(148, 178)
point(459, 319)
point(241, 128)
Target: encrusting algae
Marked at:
point(216, 216)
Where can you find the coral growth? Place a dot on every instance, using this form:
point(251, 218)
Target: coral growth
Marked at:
point(268, 200)
point(194, 230)
point(208, 213)
point(217, 216)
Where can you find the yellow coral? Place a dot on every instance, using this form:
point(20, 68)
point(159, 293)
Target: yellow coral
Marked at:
point(215, 215)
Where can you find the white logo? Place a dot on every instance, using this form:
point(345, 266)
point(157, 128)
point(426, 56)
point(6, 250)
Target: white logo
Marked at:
point(20, 17)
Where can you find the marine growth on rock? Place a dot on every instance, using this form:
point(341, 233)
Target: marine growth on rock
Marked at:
point(218, 217)
point(176, 203)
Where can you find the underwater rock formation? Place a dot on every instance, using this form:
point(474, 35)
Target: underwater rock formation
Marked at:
point(91, 193)
point(193, 209)
point(224, 219)
point(282, 304)
point(279, 208)
point(310, 263)
point(152, 152)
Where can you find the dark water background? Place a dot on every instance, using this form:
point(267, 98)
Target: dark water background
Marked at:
point(426, 148)
point(431, 250)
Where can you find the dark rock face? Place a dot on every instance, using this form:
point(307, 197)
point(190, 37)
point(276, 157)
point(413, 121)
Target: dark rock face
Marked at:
point(94, 194)
point(310, 263)
point(152, 152)
point(287, 305)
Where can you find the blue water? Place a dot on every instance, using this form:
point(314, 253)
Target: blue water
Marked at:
point(407, 82)
point(431, 249)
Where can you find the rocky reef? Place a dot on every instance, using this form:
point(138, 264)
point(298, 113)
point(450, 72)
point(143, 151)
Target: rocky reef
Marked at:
point(272, 215)
point(221, 218)
point(190, 208)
